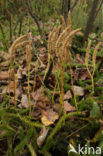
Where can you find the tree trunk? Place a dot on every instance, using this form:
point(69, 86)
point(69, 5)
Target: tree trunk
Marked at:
point(69, 1)
point(65, 8)
point(91, 20)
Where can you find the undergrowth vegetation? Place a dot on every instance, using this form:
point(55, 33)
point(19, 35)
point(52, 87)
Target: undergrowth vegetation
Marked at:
point(51, 87)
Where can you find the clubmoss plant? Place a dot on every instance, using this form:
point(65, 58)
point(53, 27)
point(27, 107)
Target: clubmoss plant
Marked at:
point(28, 59)
point(49, 49)
point(59, 44)
point(63, 56)
point(93, 61)
point(63, 22)
point(67, 45)
point(19, 42)
point(13, 48)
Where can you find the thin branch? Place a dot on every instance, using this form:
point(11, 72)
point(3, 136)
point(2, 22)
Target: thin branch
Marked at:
point(33, 16)
point(20, 26)
point(2, 31)
point(75, 3)
point(15, 27)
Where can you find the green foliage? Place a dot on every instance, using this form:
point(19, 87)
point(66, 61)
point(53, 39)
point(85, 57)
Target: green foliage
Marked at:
point(19, 134)
point(95, 110)
point(66, 81)
point(101, 141)
point(23, 141)
point(79, 15)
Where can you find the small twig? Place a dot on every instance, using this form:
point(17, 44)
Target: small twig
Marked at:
point(77, 130)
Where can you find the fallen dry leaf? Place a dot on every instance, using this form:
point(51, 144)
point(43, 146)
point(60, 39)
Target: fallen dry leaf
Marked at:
point(49, 118)
point(4, 55)
point(36, 112)
point(43, 58)
point(4, 75)
point(84, 75)
point(78, 58)
point(56, 107)
point(6, 88)
point(68, 95)
point(44, 103)
point(78, 90)
point(68, 107)
point(37, 94)
point(42, 136)
point(11, 87)
point(75, 75)
point(5, 64)
point(18, 92)
point(36, 38)
point(19, 73)
point(24, 101)
point(42, 50)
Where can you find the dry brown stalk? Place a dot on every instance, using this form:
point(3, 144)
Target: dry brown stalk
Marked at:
point(94, 56)
point(50, 40)
point(55, 36)
point(12, 48)
point(67, 41)
point(22, 44)
point(63, 22)
point(28, 54)
point(87, 54)
point(93, 61)
point(60, 39)
point(28, 59)
point(11, 73)
point(69, 20)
